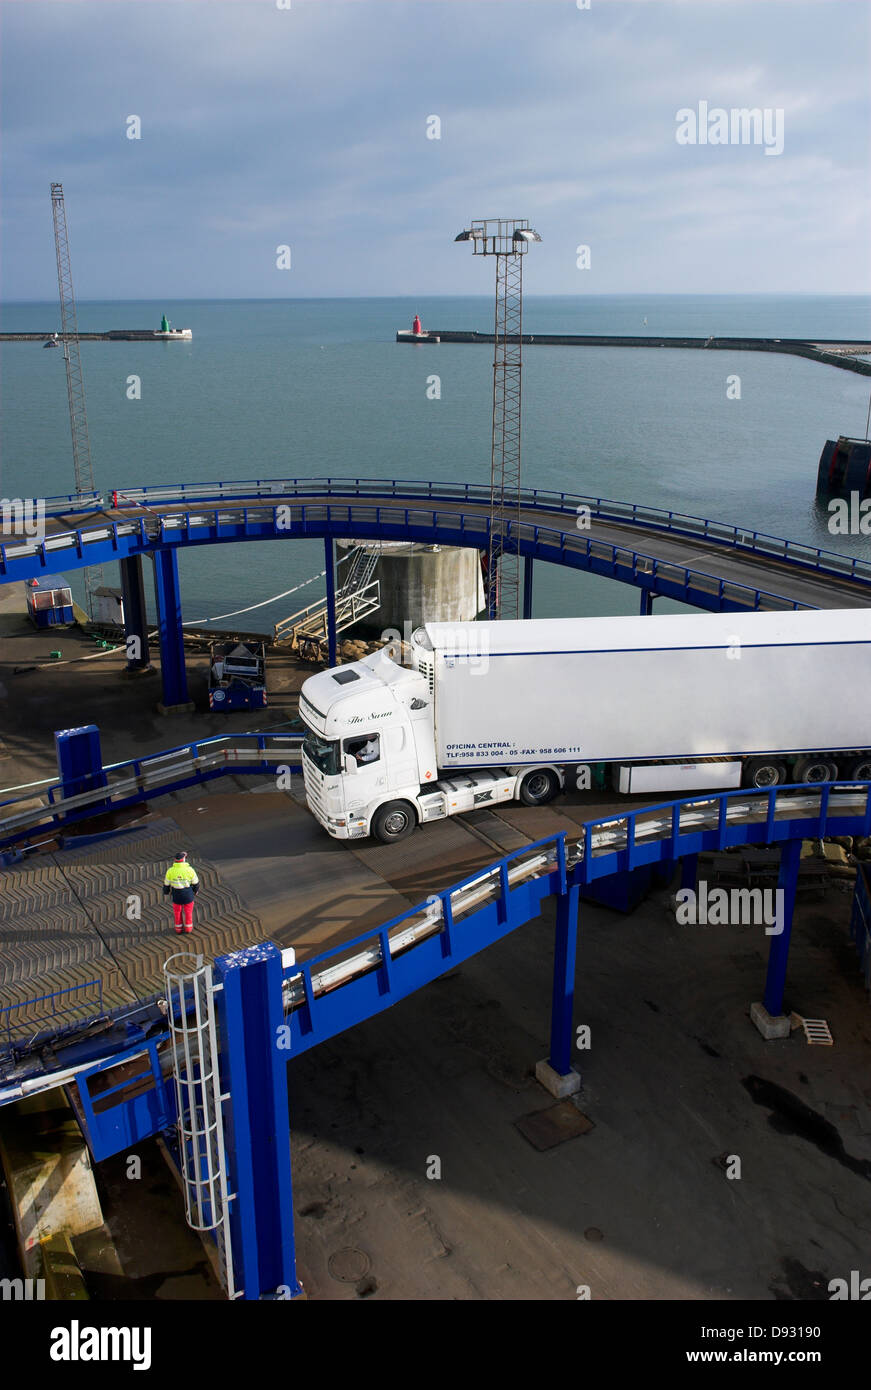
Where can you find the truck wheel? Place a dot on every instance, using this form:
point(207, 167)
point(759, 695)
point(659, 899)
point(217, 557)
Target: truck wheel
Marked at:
point(815, 770)
point(538, 786)
point(763, 772)
point(860, 770)
point(393, 821)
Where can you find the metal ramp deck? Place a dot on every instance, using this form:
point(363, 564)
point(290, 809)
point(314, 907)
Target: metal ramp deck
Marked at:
point(94, 919)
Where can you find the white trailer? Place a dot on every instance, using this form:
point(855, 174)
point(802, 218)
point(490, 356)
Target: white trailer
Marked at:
point(490, 712)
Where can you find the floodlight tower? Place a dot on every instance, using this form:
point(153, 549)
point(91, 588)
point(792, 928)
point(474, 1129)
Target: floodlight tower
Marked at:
point(508, 239)
point(82, 466)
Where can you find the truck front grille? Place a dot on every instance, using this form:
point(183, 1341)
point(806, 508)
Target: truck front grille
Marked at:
point(312, 794)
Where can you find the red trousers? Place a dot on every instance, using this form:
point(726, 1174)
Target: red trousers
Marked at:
point(183, 908)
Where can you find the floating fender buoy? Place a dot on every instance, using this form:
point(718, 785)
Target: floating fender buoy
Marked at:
point(845, 468)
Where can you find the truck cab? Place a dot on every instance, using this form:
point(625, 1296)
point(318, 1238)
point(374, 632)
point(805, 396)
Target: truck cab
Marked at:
point(369, 756)
point(368, 748)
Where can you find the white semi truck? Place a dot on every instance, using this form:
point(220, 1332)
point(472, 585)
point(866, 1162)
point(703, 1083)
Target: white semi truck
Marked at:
point(490, 712)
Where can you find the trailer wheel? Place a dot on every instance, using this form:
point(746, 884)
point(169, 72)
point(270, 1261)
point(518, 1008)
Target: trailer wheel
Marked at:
point(538, 786)
point(860, 770)
point(393, 822)
point(763, 772)
point(815, 770)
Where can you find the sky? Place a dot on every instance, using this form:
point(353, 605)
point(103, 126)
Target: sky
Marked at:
point(308, 124)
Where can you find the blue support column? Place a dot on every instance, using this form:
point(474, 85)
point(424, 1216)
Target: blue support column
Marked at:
point(564, 958)
point(689, 871)
point(528, 563)
point(257, 1126)
point(778, 953)
point(330, 566)
point(135, 621)
point(168, 596)
point(647, 597)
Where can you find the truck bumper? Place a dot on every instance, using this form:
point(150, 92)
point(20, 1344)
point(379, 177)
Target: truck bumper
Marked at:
point(347, 828)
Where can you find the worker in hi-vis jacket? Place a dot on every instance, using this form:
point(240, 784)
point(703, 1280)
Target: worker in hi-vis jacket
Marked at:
point(182, 882)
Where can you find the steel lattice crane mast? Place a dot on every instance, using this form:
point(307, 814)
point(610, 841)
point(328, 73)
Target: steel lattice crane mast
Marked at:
point(83, 468)
point(508, 240)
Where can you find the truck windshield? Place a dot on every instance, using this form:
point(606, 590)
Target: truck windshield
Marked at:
point(323, 753)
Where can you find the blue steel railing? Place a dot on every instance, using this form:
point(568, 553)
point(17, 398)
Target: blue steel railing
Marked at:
point(156, 774)
point(112, 540)
point(149, 765)
point(73, 503)
point(69, 504)
point(656, 518)
point(551, 851)
point(356, 979)
point(44, 1022)
point(745, 539)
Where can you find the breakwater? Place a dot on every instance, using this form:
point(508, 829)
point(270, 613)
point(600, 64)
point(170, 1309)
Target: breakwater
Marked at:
point(844, 353)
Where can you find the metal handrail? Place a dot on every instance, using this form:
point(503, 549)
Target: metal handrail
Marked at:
point(29, 1025)
point(683, 523)
point(607, 834)
point(609, 509)
point(313, 620)
point(146, 777)
point(72, 503)
point(158, 530)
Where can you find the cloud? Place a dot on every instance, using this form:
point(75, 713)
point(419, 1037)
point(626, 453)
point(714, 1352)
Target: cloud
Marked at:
point(262, 125)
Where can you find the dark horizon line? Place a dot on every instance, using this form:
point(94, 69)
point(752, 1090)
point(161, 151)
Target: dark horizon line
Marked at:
point(528, 295)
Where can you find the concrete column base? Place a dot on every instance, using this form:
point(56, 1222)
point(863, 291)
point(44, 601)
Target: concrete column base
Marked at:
point(130, 672)
point(187, 708)
point(559, 1086)
point(769, 1027)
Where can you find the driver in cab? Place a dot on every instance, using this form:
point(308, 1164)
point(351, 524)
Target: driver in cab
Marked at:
point(365, 750)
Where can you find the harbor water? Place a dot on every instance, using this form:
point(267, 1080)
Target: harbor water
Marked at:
point(319, 388)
